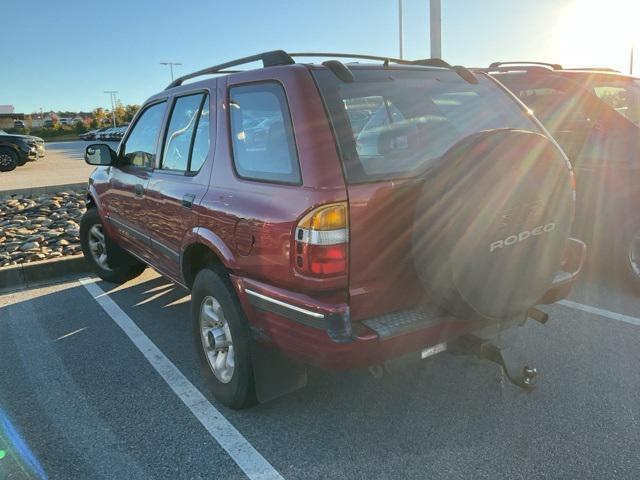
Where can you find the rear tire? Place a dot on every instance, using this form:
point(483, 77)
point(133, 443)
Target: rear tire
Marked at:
point(222, 337)
point(8, 160)
point(94, 240)
point(629, 254)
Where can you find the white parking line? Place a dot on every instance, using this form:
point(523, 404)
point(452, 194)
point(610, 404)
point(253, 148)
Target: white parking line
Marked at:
point(254, 465)
point(599, 311)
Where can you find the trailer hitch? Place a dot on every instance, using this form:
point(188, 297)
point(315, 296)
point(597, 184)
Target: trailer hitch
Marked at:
point(472, 345)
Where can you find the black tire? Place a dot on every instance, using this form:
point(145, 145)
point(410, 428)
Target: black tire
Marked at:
point(628, 254)
point(239, 391)
point(8, 160)
point(119, 268)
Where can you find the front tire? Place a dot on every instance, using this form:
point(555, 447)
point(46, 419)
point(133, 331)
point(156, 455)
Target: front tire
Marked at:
point(8, 160)
point(222, 338)
point(93, 239)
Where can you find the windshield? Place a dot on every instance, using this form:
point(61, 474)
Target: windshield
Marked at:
point(620, 94)
point(393, 123)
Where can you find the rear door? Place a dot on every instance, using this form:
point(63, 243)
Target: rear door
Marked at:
point(129, 179)
point(177, 186)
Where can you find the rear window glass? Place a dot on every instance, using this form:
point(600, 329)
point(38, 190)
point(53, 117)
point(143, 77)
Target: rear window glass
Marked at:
point(262, 134)
point(393, 123)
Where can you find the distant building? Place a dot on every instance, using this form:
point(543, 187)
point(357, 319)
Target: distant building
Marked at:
point(6, 119)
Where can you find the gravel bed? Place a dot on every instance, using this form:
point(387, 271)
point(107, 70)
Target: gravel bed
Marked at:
point(34, 228)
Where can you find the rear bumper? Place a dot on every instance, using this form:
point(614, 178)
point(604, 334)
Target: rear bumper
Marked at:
point(567, 277)
point(322, 335)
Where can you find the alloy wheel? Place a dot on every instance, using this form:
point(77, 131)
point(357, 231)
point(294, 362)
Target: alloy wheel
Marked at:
point(634, 254)
point(216, 339)
point(98, 246)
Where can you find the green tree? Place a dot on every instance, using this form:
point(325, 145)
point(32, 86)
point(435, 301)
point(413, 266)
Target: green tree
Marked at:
point(131, 110)
point(79, 127)
point(99, 114)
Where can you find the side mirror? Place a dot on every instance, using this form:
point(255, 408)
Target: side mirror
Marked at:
point(100, 154)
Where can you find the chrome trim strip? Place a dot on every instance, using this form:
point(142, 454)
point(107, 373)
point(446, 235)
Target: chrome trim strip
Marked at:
point(170, 252)
point(284, 304)
point(130, 230)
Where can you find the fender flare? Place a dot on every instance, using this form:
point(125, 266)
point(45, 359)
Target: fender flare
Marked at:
point(204, 236)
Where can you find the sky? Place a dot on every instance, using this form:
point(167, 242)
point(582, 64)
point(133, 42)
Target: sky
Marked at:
point(62, 55)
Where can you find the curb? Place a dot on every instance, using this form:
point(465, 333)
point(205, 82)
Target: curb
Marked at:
point(42, 190)
point(33, 274)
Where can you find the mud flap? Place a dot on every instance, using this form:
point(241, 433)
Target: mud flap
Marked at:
point(275, 374)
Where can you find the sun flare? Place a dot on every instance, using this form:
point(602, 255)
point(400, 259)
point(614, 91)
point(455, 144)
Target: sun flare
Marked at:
point(597, 33)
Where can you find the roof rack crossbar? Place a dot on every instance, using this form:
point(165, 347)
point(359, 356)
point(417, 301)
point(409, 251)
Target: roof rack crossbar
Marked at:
point(352, 55)
point(280, 57)
point(463, 72)
point(595, 69)
point(553, 66)
point(269, 59)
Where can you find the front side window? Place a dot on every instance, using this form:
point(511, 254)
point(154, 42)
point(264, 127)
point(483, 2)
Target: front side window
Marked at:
point(140, 147)
point(177, 143)
point(262, 134)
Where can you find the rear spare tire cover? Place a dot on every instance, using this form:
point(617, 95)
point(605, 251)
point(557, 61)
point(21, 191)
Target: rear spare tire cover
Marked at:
point(492, 223)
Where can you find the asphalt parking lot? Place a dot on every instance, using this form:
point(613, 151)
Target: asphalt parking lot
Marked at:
point(63, 164)
point(100, 381)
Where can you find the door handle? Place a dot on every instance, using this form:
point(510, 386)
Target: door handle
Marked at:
point(187, 200)
point(138, 190)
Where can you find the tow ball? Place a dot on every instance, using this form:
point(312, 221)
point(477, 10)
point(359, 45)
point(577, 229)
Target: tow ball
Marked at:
point(524, 377)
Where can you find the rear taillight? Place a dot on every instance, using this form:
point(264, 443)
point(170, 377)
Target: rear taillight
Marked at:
point(321, 241)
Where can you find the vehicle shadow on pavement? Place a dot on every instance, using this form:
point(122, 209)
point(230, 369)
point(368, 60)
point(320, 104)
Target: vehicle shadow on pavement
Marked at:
point(447, 416)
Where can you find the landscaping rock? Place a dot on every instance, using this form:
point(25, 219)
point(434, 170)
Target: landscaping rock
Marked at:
point(34, 228)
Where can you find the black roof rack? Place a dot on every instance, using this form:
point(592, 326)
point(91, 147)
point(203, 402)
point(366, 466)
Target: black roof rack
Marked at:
point(595, 69)
point(280, 57)
point(352, 55)
point(269, 59)
point(552, 66)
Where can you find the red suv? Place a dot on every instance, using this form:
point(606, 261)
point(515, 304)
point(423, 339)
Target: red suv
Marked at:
point(341, 213)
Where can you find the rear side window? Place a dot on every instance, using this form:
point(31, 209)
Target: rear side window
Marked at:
point(179, 138)
point(394, 123)
point(261, 133)
point(202, 139)
point(140, 147)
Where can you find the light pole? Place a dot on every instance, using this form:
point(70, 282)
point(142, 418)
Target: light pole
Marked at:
point(112, 94)
point(435, 23)
point(400, 39)
point(171, 64)
point(631, 62)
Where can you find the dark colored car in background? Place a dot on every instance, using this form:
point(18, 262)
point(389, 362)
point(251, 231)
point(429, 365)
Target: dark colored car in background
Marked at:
point(91, 134)
point(16, 150)
point(341, 255)
point(594, 114)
